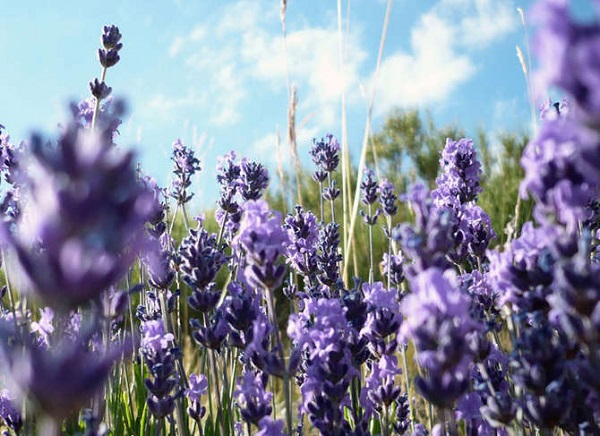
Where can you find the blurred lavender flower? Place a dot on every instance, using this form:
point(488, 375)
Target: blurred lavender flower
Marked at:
point(10, 168)
point(561, 171)
point(160, 360)
point(251, 398)
point(436, 318)
point(64, 377)
point(186, 165)
point(522, 274)
point(431, 237)
point(268, 427)
point(9, 414)
point(43, 328)
point(108, 114)
point(82, 222)
point(540, 368)
point(158, 260)
point(567, 52)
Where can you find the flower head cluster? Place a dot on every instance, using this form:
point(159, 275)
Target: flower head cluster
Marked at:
point(186, 165)
point(248, 178)
point(369, 194)
point(561, 171)
point(522, 274)
point(254, 179)
point(457, 188)
point(198, 387)
point(109, 54)
point(381, 389)
point(201, 259)
point(160, 359)
point(459, 181)
point(325, 155)
point(303, 233)
point(251, 397)
point(383, 317)
point(329, 364)
point(387, 197)
point(262, 240)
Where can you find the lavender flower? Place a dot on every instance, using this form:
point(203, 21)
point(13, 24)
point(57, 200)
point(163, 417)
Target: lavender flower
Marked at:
point(560, 171)
point(198, 385)
point(268, 427)
point(436, 318)
point(459, 180)
point(387, 197)
point(253, 180)
point(328, 256)
point(368, 188)
point(431, 238)
point(160, 359)
point(251, 398)
point(303, 232)
point(9, 414)
point(381, 389)
point(62, 378)
point(383, 317)
point(82, 224)
point(392, 268)
point(522, 274)
point(329, 365)
point(201, 260)
point(567, 53)
point(262, 239)
point(325, 153)
point(241, 309)
point(109, 55)
point(186, 165)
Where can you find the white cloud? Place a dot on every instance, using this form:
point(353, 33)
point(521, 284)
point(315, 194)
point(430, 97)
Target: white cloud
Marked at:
point(480, 22)
point(443, 46)
point(427, 75)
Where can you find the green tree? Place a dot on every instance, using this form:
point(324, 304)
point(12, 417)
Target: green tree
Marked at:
point(408, 147)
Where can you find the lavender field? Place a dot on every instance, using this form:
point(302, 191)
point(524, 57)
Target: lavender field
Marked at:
point(457, 292)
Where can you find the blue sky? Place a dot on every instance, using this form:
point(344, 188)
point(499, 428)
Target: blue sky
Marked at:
point(213, 73)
